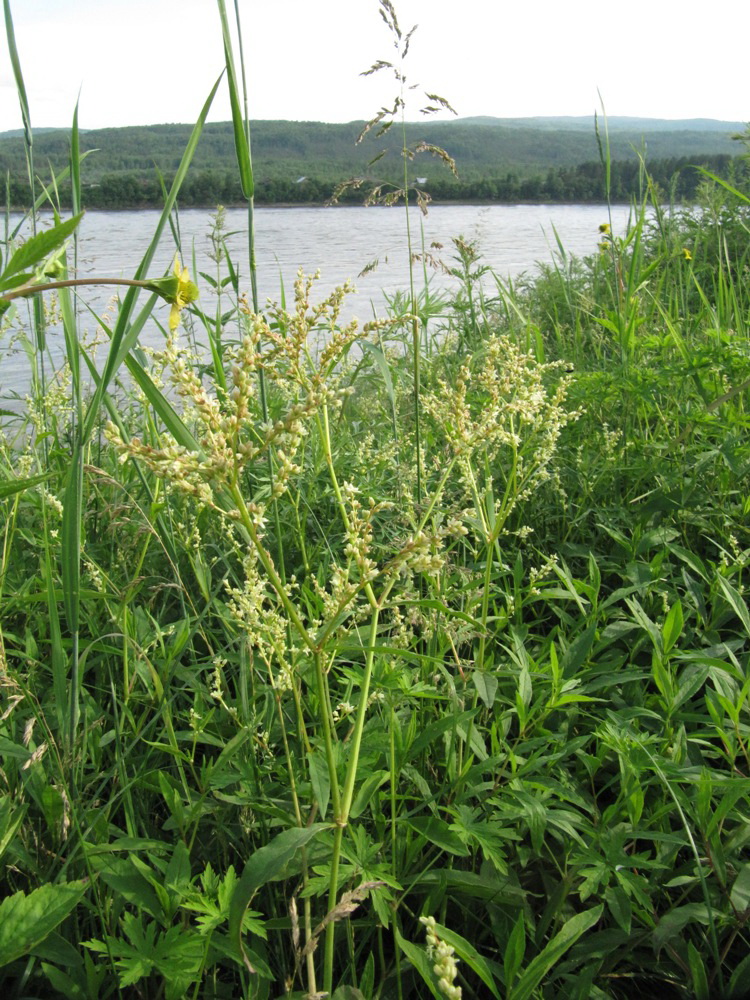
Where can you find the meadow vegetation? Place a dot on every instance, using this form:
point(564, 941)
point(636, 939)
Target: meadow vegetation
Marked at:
point(397, 660)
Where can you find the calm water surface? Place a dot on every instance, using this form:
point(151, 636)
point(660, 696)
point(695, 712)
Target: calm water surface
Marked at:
point(339, 242)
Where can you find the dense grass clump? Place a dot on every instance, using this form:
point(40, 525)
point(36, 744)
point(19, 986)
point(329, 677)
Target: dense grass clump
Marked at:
point(312, 713)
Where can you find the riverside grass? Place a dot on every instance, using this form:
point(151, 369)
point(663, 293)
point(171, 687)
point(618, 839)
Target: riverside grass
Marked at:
point(274, 724)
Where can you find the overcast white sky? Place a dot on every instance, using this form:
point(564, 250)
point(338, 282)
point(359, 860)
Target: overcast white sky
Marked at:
point(152, 61)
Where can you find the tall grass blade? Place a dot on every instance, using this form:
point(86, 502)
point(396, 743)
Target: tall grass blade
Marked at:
point(17, 73)
point(240, 125)
point(115, 357)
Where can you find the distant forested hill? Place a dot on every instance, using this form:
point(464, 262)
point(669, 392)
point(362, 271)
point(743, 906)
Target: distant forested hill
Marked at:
point(497, 159)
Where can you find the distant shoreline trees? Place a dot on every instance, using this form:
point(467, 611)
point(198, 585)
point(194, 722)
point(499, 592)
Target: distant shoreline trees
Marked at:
point(678, 178)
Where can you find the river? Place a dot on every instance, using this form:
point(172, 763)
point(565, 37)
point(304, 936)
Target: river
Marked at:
point(339, 242)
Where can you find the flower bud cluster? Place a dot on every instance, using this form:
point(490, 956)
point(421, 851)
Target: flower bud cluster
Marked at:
point(443, 955)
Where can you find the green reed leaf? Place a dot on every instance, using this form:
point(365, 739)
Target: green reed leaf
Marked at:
point(17, 72)
point(10, 487)
point(241, 131)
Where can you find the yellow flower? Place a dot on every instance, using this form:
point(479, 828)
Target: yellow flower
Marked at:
point(186, 293)
point(604, 228)
point(177, 289)
point(686, 254)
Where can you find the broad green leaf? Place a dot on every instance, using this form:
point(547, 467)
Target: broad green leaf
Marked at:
point(418, 958)
point(486, 685)
point(565, 938)
point(266, 864)
point(366, 790)
point(515, 950)
point(468, 954)
point(645, 622)
point(439, 833)
point(26, 920)
point(740, 896)
point(121, 875)
point(578, 651)
point(35, 249)
point(675, 920)
point(435, 729)
point(618, 902)
point(321, 780)
point(367, 979)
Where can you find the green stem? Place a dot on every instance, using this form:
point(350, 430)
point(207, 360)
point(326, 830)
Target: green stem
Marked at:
point(342, 813)
point(48, 286)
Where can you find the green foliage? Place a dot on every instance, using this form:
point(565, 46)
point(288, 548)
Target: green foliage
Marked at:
point(271, 710)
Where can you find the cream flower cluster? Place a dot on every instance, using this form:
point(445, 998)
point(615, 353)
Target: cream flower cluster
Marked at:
point(446, 964)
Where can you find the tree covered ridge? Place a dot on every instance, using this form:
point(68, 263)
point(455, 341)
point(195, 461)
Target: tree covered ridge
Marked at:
point(302, 162)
